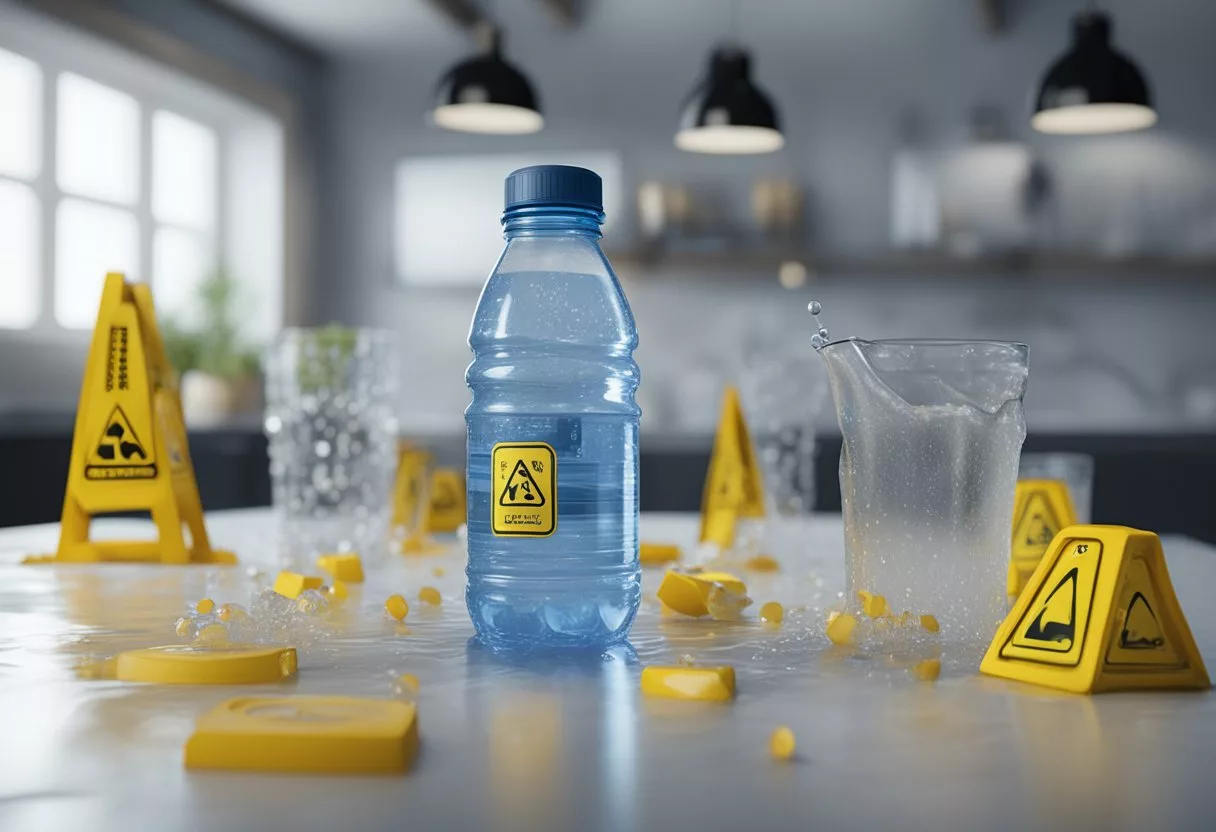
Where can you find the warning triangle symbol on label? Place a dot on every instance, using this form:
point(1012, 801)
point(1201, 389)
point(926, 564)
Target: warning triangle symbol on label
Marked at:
point(1039, 533)
point(521, 489)
point(1037, 525)
point(1057, 621)
point(118, 443)
point(1141, 630)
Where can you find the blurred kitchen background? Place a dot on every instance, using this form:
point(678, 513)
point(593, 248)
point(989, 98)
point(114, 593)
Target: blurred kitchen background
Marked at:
point(274, 162)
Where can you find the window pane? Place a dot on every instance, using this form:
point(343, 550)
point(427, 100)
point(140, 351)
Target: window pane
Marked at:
point(181, 261)
point(98, 141)
point(183, 171)
point(21, 104)
point(90, 240)
point(19, 255)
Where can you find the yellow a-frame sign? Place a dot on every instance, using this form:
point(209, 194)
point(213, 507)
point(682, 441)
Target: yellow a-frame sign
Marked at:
point(733, 486)
point(129, 450)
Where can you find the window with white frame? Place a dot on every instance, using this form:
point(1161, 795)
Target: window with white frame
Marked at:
point(108, 165)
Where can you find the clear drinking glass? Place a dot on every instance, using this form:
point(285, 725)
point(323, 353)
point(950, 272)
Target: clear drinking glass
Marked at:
point(1074, 470)
point(330, 419)
point(932, 435)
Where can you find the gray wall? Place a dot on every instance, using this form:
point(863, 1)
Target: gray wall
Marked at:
point(1119, 353)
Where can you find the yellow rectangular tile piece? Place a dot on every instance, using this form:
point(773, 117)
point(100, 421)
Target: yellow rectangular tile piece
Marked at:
point(709, 684)
point(291, 584)
point(345, 567)
point(653, 554)
point(688, 594)
point(306, 734)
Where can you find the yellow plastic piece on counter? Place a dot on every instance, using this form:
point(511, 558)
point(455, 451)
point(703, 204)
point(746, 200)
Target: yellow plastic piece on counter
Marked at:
point(1040, 509)
point(689, 594)
point(929, 623)
point(205, 606)
point(733, 486)
point(655, 554)
point(772, 612)
point(841, 627)
point(306, 734)
point(129, 447)
point(343, 567)
point(397, 607)
point(291, 584)
point(1098, 614)
point(446, 507)
point(872, 604)
point(710, 684)
point(233, 664)
point(927, 670)
point(339, 592)
point(430, 595)
point(763, 563)
point(782, 743)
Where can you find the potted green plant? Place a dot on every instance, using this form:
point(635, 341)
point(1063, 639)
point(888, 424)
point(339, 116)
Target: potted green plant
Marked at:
point(219, 371)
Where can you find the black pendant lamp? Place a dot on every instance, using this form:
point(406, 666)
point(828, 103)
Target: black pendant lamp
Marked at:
point(727, 113)
point(1093, 88)
point(485, 94)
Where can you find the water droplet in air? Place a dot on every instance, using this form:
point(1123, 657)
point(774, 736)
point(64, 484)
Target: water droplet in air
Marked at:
point(814, 307)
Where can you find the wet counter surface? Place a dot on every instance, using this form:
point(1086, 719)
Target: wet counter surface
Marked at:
point(570, 744)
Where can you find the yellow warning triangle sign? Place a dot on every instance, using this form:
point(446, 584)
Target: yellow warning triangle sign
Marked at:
point(733, 486)
point(129, 450)
point(1041, 509)
point(446, 508)
point(1098, 614)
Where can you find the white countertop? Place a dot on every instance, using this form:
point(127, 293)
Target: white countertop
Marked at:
point(544, 744)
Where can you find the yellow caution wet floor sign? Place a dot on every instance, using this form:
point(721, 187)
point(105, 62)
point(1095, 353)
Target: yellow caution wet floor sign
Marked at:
point(446, 501)
point(410, 488)
point(733, 486)
point(1099, 613)
point(1040, 509)
point(129, 450)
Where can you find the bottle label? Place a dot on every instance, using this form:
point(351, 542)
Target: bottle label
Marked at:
point(524, 480)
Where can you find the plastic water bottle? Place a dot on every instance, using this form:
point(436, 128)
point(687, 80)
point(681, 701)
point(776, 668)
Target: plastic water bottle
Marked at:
point(553, 427)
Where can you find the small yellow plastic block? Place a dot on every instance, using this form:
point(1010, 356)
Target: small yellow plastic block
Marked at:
point(763, 563)
point(306, 734)
point(782, 743)
point(656, 554)
point(772, 612)
point(430, 595)
point(346, 567)
point(841, 627)
point(928, 670)
point(205, 606)
point(233, 664)
point(688, 594)
point(397, 607)
point(929, 623)
point(339, 592)
point(710, 684)
point(872, 604)
point(291, 584)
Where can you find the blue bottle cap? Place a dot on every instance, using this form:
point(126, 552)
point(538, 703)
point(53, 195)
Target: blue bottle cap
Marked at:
point(558, 185)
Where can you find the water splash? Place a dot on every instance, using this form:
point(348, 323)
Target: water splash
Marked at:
point(821, 338)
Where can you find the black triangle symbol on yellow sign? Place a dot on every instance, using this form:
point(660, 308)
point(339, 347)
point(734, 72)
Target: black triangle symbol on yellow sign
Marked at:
point(521, 489)
point(118, 442)
point(1141, 630)
point(1057, 621)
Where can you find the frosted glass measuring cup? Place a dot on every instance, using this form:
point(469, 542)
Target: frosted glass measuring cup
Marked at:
point(932, 434)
